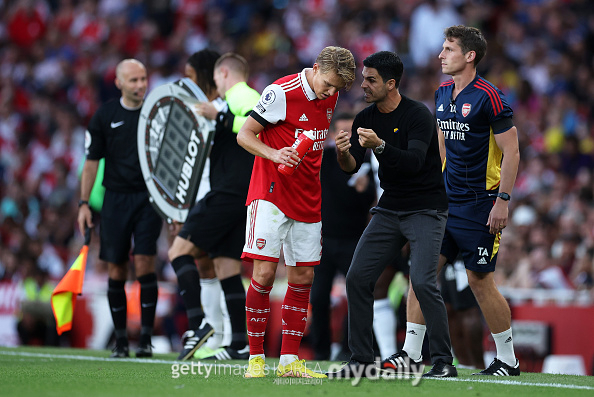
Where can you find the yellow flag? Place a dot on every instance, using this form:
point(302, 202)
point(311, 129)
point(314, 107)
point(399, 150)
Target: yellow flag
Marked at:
point(64, 295)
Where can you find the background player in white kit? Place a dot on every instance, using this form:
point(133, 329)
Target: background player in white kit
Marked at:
point(285, 211)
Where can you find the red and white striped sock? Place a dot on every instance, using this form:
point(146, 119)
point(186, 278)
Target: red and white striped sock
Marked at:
point(294, 315)
point(257, 310)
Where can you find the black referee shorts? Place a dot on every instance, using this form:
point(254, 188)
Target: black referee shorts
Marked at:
point(127, 215)
point(216, 224)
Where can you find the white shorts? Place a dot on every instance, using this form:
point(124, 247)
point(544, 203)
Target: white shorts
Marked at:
point(268, 228)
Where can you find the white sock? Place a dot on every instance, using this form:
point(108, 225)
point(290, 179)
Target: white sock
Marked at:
point(210, 290)
point(257, 355)
point(287, 359)
point(227, 332)
point(505, 347)
point(413, 343)
point(384, 326)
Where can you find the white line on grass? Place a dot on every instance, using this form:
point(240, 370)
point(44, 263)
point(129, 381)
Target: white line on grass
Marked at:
point(154, 361)
point(88, 358)
point(93, 358)
point(518, 383)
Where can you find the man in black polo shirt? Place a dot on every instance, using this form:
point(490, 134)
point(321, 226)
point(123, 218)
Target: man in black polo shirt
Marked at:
point(126, 211)
point(403, 135)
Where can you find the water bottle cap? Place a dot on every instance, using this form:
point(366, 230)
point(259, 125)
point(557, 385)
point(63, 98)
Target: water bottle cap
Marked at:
point(309, 134)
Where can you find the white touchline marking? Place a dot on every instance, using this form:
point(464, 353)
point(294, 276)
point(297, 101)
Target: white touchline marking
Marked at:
point(154, 361)
point(88, 358)
point(518, 383)
point(92, 358)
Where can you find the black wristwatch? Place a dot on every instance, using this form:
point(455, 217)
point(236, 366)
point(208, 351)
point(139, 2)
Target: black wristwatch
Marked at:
point(82, 202)
point(504, 196)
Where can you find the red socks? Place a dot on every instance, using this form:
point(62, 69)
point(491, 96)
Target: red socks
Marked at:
point(257, 310)
point(294, 314)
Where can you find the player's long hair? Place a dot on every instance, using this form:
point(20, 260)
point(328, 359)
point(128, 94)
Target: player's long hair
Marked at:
point(203, 63)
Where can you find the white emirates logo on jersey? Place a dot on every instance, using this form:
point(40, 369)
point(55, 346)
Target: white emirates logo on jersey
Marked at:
point(303, 117)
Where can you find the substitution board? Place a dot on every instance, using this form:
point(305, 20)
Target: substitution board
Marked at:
point(173, 145)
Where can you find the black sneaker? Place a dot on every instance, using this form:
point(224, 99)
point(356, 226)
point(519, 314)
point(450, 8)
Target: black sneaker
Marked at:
point(228, 353)
point(193, 339)
point(144, 351)
point(441, 370)
point(499, 368)
point(120, 351)
point(355, 369)
point(401, 363)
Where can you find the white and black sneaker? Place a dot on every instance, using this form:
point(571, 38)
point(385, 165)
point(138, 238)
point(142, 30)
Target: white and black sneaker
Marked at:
point(499, 368)
point(228, 353)
point(401, 363)
point(193, 339)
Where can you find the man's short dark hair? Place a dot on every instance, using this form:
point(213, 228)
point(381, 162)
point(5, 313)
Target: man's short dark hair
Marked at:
point(388, 65)
point(469, 39)
point(203, 63)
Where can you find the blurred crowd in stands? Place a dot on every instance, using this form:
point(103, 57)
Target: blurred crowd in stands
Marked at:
point(57, 65)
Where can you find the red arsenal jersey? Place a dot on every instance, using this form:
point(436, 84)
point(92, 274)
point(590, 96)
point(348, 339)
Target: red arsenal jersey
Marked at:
point(286, 108)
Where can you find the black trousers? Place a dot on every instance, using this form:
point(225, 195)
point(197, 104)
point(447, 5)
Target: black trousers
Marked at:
point(381, 241)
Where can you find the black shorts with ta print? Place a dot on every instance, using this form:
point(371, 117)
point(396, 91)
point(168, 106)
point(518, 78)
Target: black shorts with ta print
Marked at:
point(127, 215)
point(467, 234)
point(216, 224)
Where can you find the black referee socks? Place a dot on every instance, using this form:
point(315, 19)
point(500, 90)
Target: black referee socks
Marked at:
point(149, 291)
point(116, 295)
point(188, 281)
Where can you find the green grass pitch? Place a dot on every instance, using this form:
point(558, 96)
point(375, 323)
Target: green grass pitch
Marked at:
point(27, 371)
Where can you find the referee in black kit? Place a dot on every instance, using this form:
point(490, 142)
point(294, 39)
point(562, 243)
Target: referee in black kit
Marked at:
point(126, 212)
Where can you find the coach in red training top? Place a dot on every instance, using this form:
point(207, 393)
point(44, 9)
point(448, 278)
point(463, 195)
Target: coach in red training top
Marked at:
point(285, 210)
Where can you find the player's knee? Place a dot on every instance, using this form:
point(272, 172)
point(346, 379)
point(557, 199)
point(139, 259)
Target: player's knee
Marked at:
point(144, 264)
point(206, 267)
point(264, 276)
point(176, 251)
point(480, 284)
point(301, 275)
point(117, 272)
